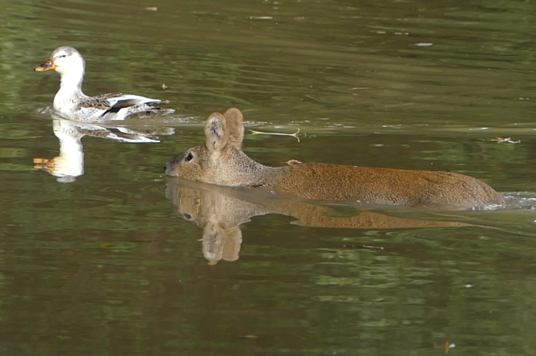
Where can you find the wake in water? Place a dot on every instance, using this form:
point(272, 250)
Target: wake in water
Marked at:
point(520, 200)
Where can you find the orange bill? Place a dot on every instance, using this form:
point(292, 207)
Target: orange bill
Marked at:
point(44, 164)
point(48, 65)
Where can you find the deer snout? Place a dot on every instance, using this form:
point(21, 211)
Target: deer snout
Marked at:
point(169, 168)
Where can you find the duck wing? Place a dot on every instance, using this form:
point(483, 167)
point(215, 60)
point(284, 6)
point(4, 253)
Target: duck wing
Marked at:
point(101, 102)
point(120, 104)
point(113, 103)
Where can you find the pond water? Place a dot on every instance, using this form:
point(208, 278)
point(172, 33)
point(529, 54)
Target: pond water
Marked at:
point(117, 259)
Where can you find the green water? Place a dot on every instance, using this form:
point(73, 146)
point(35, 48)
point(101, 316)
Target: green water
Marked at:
point(122, 261)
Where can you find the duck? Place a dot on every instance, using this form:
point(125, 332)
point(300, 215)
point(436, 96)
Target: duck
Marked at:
point(71, 102)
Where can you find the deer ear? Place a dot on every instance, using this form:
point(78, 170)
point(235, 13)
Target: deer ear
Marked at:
point(234, 121)
point(215, 132)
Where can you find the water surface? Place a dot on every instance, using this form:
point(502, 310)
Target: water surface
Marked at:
point(110, 262)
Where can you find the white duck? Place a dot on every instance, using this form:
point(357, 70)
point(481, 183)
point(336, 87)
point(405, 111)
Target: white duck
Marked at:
point(71, 102)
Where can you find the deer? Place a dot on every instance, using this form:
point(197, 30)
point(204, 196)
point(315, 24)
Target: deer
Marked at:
point(221, 161)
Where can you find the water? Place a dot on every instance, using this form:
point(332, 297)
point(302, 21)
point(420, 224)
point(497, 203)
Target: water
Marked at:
point(113, 262)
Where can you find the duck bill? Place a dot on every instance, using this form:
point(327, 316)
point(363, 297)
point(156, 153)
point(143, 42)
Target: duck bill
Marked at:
point(48, 65)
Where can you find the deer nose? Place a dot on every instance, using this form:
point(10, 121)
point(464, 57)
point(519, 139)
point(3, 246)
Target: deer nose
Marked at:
point(168, 168)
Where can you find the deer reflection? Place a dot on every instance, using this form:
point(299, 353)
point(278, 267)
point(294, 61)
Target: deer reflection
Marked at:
point(69, 164)
point(219, 212)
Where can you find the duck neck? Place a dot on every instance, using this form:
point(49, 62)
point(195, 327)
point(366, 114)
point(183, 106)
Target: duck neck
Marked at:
point(71, 82)
point(70, 90)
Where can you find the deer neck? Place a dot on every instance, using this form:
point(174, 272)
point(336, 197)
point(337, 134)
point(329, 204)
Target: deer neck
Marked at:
point(244, 171)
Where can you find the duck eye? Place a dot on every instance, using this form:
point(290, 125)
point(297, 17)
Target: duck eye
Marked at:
point(62, 56)
point(189, 157)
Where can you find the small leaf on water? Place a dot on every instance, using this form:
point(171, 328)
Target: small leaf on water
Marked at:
point(249, 336)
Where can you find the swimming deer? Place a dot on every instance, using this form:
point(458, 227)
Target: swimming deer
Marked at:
point(221, 161)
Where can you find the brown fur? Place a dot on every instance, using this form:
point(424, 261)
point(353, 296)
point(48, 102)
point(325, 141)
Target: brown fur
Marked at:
point(221, 161)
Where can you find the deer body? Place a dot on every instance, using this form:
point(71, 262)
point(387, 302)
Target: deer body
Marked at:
point(221, 161)
point(384, 186)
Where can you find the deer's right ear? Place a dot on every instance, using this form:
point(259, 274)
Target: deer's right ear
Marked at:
point(215, 132)
point(234, 121)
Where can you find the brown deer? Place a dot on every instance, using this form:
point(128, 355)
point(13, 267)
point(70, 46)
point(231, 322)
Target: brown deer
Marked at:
point(221, 161)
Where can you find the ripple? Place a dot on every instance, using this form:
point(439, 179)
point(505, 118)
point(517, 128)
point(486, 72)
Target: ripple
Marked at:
point(520, 200)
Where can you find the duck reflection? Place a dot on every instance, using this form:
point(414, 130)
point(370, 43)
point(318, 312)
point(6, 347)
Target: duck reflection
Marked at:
point(69, 164)
point(219, 212)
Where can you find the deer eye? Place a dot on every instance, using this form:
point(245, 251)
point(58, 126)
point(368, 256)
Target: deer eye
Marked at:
point(187, 216)
point(189, 157)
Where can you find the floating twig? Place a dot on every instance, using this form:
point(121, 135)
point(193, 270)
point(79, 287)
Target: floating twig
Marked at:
point(505, 140)
point(295, 134)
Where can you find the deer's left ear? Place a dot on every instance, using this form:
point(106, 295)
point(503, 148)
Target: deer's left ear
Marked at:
point(216, 136)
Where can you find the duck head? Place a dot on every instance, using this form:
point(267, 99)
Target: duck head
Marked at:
point(64, 60)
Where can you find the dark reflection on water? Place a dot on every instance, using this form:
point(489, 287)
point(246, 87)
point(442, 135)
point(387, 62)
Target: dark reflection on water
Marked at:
point(70, 163)
point(219, 212)
point(105, 266)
